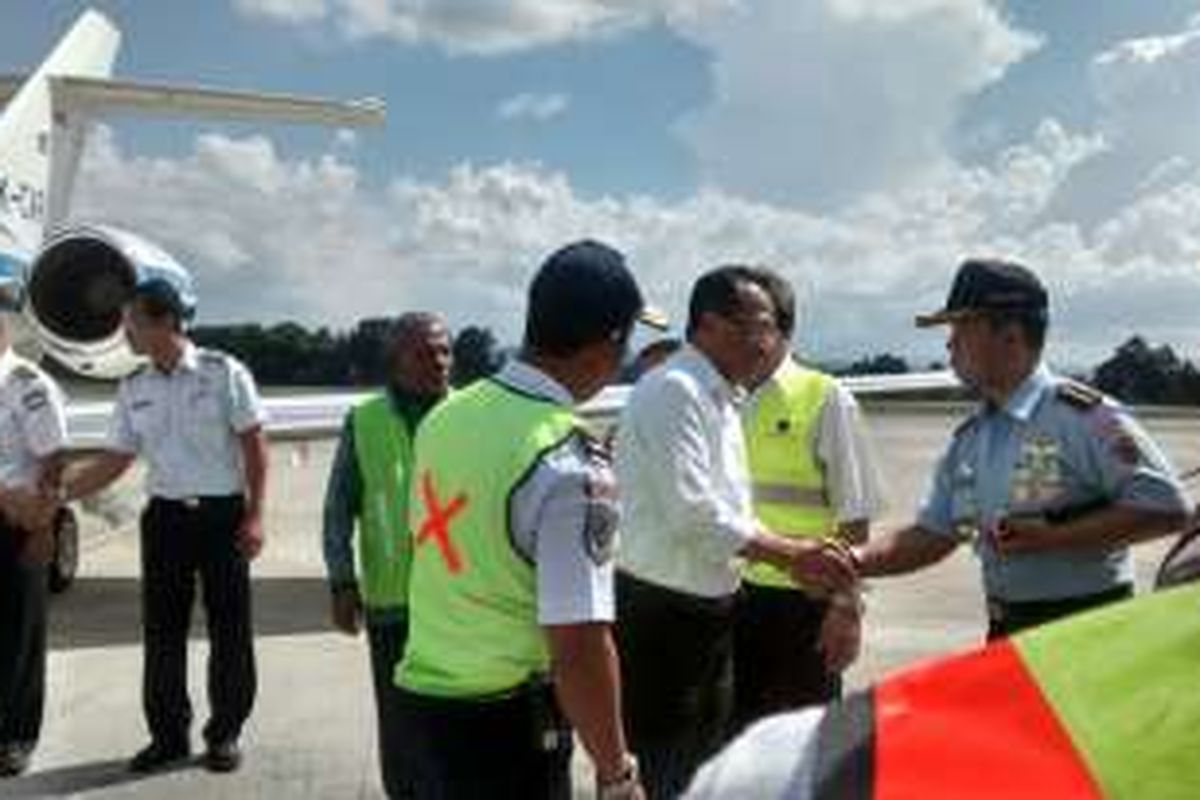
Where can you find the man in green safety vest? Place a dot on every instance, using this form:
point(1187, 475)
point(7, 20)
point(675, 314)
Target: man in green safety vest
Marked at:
point(812, 475)
point(369, 483)
point(513, 513)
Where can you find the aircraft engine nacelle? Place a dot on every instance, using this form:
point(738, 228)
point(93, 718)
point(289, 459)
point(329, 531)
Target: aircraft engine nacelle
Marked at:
point(77, 286)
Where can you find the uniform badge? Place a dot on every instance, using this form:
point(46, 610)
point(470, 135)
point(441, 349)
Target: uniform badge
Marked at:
point(600, 512)
point(1037, 475)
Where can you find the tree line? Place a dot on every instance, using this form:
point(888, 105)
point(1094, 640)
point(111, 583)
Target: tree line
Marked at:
point(288, 354)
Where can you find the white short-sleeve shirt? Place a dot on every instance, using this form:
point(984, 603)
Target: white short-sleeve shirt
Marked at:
point(186, 422)
point(564, 517)
point(33, 422)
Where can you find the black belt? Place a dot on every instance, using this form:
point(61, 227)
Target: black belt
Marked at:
point(1000, 610)
point(196, 501)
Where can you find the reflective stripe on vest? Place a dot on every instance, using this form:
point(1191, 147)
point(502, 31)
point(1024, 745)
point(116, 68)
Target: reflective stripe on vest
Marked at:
point(383, 450)
point(473, 628)
point(788, 487)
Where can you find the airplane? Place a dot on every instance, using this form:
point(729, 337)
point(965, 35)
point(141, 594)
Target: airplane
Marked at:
point(72, 278)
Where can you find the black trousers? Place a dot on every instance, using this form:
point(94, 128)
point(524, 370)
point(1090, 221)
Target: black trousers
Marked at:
point(676, 679)
point(464, 749)
point(23, 600)
point(181, 541)
point(1005, 619)
point(386, 640)
point(777, 665)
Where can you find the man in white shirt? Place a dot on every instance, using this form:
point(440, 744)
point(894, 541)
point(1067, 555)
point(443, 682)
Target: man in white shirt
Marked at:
point(686, 523)
point(32, 434)
point(194, 415)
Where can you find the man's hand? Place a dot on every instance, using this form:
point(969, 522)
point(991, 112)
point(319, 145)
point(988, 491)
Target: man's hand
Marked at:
point(841, 631)
point(1025, 535)
point(345, 609)
point(250, 535)
point(33, 513)
point(826, 566)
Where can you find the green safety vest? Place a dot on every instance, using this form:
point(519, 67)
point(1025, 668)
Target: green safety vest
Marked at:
point(384, 451)
point(1103, 704)
point(787, 484)
point(473, 627)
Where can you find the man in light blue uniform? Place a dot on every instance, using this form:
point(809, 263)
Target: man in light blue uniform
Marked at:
point(1049, 480)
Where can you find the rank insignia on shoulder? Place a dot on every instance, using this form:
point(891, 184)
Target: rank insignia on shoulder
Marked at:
point(595, 448)
point(34, 400)
point(1079, 395)
point(24, 373)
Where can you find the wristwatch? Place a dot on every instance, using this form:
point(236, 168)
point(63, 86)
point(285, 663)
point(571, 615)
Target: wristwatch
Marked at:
point(625, 786)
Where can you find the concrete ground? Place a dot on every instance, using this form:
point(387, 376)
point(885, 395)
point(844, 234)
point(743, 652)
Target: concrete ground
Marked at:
point(312, 733)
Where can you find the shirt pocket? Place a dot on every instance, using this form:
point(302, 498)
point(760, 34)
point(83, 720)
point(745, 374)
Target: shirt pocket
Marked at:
point(206, 415)
point(148, 420)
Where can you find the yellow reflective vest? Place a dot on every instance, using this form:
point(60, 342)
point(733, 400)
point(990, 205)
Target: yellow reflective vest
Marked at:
point(787, 483)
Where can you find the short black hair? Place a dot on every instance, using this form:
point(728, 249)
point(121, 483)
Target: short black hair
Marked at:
point(716, 292)
point(782, 297)
point(582, 294)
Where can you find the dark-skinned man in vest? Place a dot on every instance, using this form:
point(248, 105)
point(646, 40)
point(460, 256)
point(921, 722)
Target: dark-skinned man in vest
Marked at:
point(369, 485)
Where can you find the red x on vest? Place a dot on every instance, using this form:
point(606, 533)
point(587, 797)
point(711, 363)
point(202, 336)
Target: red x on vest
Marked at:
point(437, 522)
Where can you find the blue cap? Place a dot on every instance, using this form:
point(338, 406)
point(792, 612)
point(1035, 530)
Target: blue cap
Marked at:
point(173, 291)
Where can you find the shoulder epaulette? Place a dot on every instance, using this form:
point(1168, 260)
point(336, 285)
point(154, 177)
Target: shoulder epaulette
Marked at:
point(210, 357)
point(1079, 395)
point(24, 373)
point(139, 370)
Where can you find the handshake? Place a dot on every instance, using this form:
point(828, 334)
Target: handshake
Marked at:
point(31, 511)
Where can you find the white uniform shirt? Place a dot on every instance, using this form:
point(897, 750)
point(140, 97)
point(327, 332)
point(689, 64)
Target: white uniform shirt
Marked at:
point(684, 484)
point(33, 423)
point(185, 423)
point(843, 453)
point(564, 516)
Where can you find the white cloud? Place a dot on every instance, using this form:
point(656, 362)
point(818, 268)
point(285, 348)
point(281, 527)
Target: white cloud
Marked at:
point(818, 102)
point(1149, 92)
point(274, 237)
point(271, 238)
point(530, 106)
point(290, 11)
point(480, 27)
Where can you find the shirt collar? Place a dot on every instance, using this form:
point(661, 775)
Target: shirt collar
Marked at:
point(189, 361)
point(525, 377)
point(786, 366)
point(1022, 402)
point(705, 371)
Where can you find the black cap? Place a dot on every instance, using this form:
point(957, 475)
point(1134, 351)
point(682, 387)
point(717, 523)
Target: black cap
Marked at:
point(582, 292)
point(989, 286)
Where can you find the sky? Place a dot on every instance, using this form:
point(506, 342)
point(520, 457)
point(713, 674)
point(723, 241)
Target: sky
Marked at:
point(862, 148)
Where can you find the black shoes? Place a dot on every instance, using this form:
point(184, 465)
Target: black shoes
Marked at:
point(14, 759)
point(159, 755)
point(223, 756)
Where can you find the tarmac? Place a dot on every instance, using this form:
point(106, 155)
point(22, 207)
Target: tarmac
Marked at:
point(312, 732)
